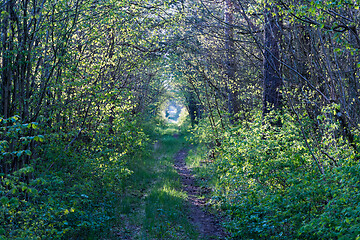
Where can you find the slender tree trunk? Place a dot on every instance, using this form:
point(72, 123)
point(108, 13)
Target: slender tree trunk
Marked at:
point(354, 86)
point(6, 63)
point(272, 80)
point(232, 90)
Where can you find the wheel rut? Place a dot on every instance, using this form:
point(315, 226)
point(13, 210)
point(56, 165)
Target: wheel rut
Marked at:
point(207, 224)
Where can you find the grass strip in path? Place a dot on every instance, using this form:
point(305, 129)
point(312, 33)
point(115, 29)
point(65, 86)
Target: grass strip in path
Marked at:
point(154, 205)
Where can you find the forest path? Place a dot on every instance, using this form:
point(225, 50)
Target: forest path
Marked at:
point(206, 223)
point(162, 200)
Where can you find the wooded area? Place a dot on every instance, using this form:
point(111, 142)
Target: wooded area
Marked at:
point(271, 87)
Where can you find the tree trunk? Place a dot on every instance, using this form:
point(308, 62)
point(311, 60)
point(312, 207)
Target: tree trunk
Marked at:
point(232, 90)
point(6, 65)
point(272, 80)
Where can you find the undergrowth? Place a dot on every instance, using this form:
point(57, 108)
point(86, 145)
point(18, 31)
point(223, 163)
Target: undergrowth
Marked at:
point(155, 205)
point(68, 191)
point(92, 184)
point(283, 182)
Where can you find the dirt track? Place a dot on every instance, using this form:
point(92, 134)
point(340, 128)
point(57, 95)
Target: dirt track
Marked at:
point(207, 224)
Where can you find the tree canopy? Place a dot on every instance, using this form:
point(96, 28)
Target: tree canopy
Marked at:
point(271, 88)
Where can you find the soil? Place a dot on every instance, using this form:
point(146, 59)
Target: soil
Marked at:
point(207, 224)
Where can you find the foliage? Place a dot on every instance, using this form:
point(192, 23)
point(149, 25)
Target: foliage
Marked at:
point(66, 193)
point(81, 80)
point(78, 80)
point(269, 183)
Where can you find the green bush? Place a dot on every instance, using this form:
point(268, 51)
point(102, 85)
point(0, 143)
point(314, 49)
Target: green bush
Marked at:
point(271, 185)
point(68, 191)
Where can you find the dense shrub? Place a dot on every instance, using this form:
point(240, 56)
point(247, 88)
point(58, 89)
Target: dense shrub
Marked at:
point(284, 183)
point(68, 191)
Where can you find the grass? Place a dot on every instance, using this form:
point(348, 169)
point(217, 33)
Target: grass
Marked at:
point(199, 161)
point(152, 204)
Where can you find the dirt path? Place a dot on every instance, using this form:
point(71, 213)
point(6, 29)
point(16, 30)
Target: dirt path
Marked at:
point(206, 223)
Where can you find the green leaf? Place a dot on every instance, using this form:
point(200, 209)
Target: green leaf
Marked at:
point(4, 200)
point(19, 153)
point(41, 138)
point(14, 201)
point(34, 125)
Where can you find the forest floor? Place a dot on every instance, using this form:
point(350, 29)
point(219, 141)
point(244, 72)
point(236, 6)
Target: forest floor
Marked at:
point(163, 199)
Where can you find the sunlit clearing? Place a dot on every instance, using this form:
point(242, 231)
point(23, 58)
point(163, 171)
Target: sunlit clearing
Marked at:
point(175, 112)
